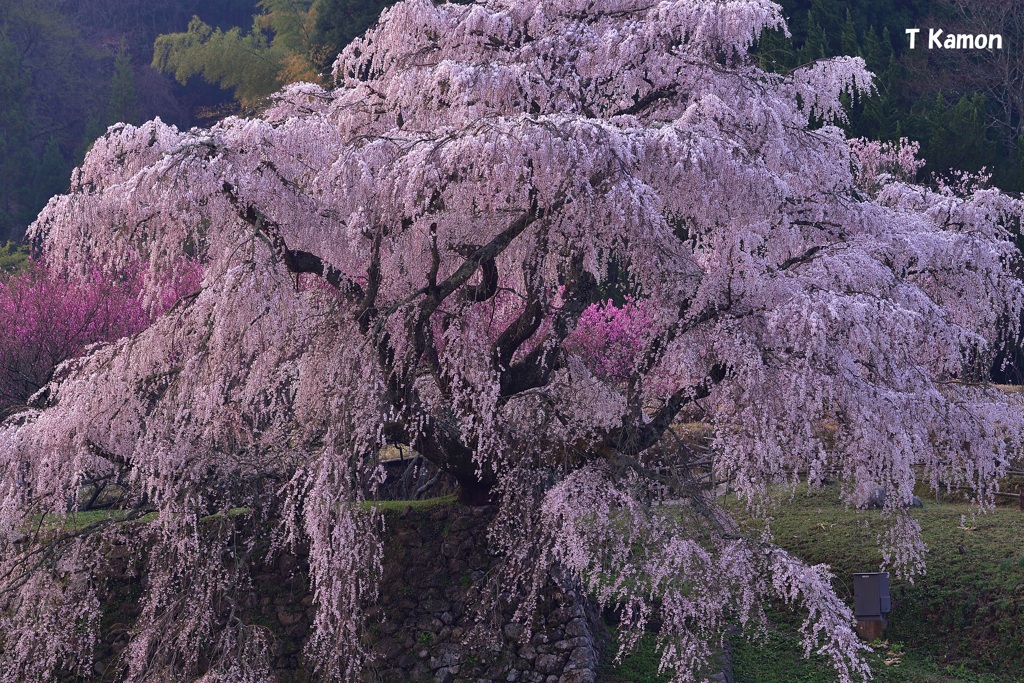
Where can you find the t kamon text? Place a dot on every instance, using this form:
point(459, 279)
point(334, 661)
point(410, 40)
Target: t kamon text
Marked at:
point(940, 40)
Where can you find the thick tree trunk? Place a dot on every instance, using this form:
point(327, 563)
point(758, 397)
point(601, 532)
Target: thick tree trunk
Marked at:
point(476, 493)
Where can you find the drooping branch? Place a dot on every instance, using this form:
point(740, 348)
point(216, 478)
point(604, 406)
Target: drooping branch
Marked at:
point(45, 554)
point(799, 259)
point(367, 310)
point(492, 249)
point(296, 260)
point(636, 436)
point(113, 458)
point(624, 444)
point(515, 335)
point(524, 326)
point(488, 286)
point(647, 100)
point(441, 443)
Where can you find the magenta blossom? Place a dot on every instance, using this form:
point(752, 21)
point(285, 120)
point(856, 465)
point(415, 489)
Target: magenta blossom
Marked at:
point(608, 338)
point(47, 317)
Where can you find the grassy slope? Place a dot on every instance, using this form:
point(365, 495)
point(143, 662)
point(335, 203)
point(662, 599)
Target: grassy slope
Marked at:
point(961, 622)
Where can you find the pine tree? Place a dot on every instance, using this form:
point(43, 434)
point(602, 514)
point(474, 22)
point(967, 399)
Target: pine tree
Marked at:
point(848, 37)
point(15, 156)
point(958, 135)
point(816, 45)
point(51, 174)
point(122, 106)
point(775, 51)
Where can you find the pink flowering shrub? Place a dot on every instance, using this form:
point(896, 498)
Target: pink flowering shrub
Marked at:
point(47, 317)
point(608, 338)
point(875, 160)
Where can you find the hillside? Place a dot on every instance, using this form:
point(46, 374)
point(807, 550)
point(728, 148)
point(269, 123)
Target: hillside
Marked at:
point(963, 621)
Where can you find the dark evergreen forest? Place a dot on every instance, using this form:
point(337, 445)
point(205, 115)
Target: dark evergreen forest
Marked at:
point(964, 107)
point(70, 68)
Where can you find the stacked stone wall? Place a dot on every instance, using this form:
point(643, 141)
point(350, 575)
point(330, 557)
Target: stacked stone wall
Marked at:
point(424, 627)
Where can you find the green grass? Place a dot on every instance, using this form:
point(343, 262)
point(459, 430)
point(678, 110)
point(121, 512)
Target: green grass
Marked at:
point(779, 659)
point(640, 666)
point(969, 606)
point(74, 521)
point(962, 622)
point(400, 506)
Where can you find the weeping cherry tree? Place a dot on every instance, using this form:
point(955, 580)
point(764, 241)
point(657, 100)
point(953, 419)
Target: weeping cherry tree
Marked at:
point(404, 260)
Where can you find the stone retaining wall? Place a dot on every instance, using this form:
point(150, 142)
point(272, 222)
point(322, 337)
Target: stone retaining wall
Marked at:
point(435, 563)
point(435, 566)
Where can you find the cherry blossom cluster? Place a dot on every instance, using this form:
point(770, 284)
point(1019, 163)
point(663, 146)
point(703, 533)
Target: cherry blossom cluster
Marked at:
point(880, 161)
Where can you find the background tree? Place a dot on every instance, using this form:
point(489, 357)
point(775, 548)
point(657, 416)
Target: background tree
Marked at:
point(958, 134)
point(988, 81)
point(460, 199)
point(57, 74)
point(278, 50)
point(15, 152)
point(920, 89)
point(291, 41)
point(49, 175)
point(123, 101)
point(45, 71)
point(339, 22)
point(996, 74)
